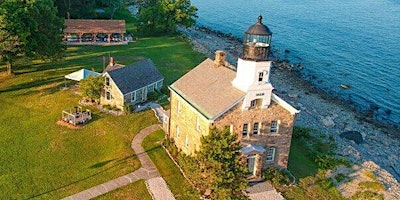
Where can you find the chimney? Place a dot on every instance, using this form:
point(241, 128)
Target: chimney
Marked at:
point(112, 62)
point(220, 59)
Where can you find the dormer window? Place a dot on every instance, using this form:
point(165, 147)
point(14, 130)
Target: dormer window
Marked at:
point(107, 81)
point(260, 76)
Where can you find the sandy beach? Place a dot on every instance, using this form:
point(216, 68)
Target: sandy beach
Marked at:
point(320, 111)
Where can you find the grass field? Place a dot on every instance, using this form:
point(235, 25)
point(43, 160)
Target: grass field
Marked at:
point(134, 191)
point(300, 164)
point(168, 170)
point(39, 159)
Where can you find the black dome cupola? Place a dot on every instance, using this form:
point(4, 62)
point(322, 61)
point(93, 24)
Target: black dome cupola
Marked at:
point(257, 41)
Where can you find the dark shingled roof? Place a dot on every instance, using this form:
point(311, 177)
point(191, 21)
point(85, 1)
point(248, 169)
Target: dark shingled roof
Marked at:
point(133, 77)
point(258, 28)
point(94, 26)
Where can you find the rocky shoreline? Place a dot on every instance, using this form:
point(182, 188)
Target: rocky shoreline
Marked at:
point(325, 114)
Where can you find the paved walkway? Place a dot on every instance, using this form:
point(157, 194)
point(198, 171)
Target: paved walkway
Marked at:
point(155, 183)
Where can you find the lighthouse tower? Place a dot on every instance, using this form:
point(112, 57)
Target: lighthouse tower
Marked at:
point(253, 67)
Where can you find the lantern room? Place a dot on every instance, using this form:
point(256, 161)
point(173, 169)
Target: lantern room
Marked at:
point(257, 40)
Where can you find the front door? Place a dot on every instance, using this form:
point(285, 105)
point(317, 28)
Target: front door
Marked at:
point(251, 163)
point(144, 94)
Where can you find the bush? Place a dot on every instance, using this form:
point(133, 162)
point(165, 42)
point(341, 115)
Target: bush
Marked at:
point(107, 107)
point(165, 90)
point(340, 177)
point(152, 96)
point(169, 144)
point(279, 179)
point(128, 108)
point(371, 185)
point(301, 132)
point(361, 195)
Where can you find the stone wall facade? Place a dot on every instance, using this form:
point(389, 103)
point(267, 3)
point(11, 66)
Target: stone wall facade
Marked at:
point(187, 125)
point(280, 140)
point(117, 99)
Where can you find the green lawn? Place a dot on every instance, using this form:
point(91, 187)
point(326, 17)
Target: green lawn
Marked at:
point(168, 170)
point(300, 163)
point(39, 159)
point(134, 191)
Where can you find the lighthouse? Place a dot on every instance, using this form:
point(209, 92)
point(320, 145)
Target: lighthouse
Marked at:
point(253, 68)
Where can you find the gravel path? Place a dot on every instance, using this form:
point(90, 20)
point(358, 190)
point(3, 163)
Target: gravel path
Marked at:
point(321, 112)
point(155, 183)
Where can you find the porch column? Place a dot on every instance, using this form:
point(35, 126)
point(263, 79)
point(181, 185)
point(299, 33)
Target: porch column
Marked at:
point(94, 37)
point(109, 38)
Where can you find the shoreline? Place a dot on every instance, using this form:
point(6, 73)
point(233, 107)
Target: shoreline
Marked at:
point(320, 111)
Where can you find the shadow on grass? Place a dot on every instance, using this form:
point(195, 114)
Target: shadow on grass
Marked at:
point(101, 164)
point(117, 162)
point(31, 84)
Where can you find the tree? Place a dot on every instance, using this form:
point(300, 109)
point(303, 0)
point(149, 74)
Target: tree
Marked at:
point(162, 16)
point(30, 28)
point(15, 30)
point(222, 165)
point(48, 31)
point(91, 87)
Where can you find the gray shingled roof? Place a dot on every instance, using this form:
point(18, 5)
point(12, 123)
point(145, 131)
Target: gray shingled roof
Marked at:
point(133, 77)
point(208, 88)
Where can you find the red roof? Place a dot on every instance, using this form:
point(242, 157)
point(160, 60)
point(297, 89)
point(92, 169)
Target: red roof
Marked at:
point(94, 26)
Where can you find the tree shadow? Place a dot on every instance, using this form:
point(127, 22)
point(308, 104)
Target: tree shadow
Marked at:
point(116, 163)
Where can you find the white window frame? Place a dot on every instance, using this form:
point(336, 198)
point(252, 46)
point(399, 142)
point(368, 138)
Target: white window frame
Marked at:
point(245, 130)
point(270, 157)
point(133, 96)
point(177, 131)
point(179, 107)
point(274, 128)
point(260, 76)
point(108, 97)
point(107, 81)
point(256, 131)
point(198, 123)
point(186, 141)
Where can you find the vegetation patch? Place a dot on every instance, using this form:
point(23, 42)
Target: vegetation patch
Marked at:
point(167, 168)
point(134, 191)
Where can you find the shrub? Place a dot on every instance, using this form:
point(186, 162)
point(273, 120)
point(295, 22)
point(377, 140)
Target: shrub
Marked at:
point(165, 90)
point(301, 132)
point(107, 107)
point(340, 177)
point(152, 96)
point(279, 179)
point(361, 195)
point(128, 108)
point(371, 185)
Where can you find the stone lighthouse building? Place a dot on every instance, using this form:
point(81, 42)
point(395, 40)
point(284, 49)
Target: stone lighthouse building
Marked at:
point(215, 95)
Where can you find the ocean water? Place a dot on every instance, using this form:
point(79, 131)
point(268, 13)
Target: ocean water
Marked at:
point(356, 43)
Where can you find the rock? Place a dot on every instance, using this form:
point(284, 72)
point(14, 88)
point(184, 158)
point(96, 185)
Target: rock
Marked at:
point(294, 96)
point(353, 136)
point(328, 122)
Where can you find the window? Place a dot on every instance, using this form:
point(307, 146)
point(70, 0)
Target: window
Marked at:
point(133, 97)
point(253, 103)
point(197, 123)
point(186, 141)
point(108, 95)
point(274, 126)
point(179, 106)
point(177, 131)
point(245, 129)
point(260, 76)
point(255, 128)
point(271, 154)
point(107, 81)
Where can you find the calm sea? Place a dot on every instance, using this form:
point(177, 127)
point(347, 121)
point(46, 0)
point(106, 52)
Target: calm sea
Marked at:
point(356, 43)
